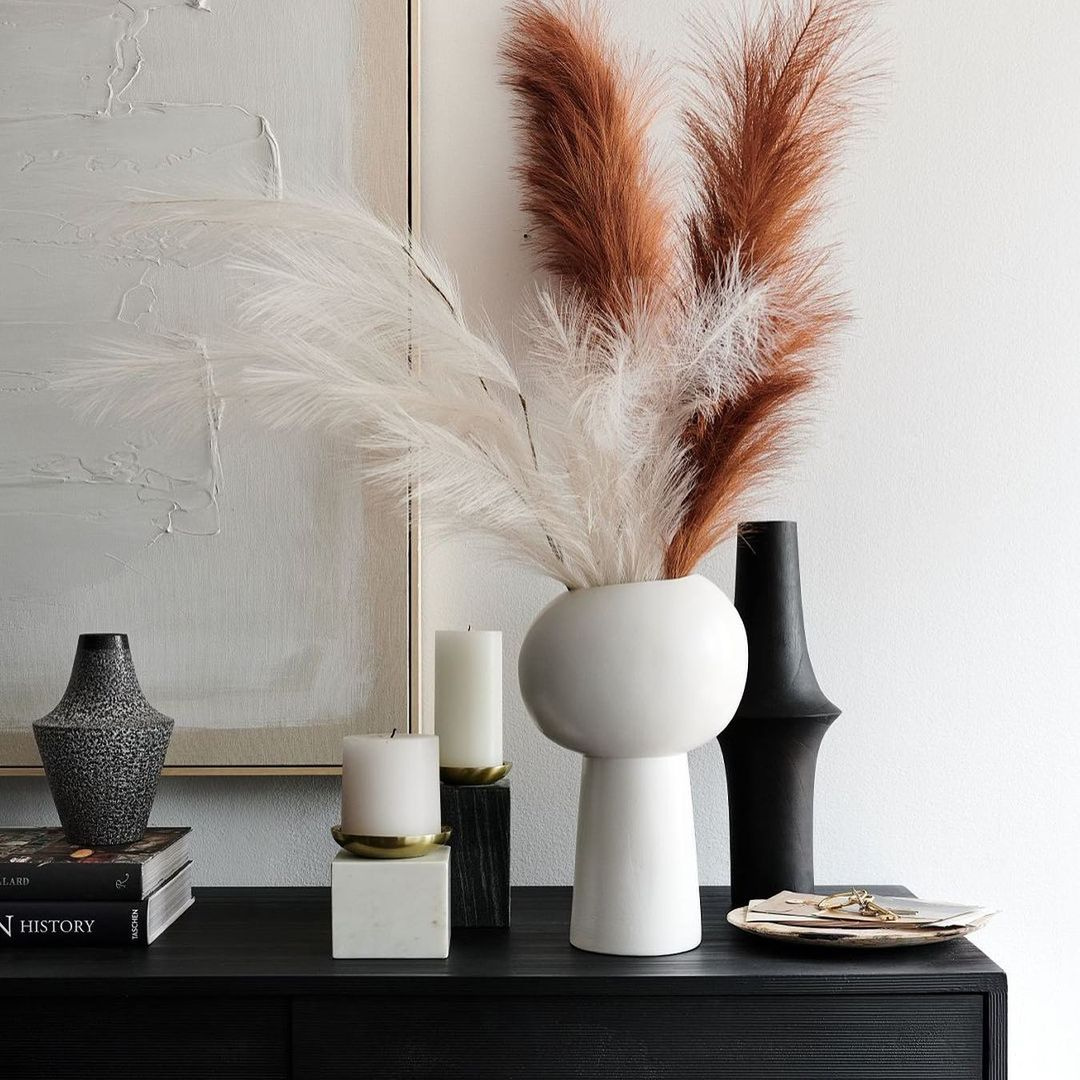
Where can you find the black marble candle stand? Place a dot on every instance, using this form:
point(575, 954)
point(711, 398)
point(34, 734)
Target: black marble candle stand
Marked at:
point(480, 853)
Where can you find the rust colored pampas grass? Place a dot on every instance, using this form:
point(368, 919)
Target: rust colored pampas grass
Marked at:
point(770, 103)
point(770, 111)
point(664, 368)
point(602, 208)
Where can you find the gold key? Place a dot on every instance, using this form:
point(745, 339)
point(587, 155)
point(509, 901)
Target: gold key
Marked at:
point(864, 901)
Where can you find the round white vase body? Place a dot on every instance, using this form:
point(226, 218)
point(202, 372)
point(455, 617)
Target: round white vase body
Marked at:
point(632, 677)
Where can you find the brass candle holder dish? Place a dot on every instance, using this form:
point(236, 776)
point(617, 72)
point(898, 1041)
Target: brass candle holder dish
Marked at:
point(463, 775)
point(390, 847)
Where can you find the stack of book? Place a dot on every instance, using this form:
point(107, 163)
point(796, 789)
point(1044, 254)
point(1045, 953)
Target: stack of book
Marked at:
point(54, 893)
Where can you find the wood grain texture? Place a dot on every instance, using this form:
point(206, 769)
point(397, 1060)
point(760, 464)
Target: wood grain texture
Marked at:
point(480, 864)
point(278, 940)
point(996, 1031)
point(191, 1038)
point(245, 982)
point(816, 1037)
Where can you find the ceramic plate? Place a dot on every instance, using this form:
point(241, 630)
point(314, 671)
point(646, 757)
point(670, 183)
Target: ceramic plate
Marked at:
point(882, 937)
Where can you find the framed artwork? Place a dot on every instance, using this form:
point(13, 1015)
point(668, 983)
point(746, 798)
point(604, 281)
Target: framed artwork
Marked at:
point(271, 610)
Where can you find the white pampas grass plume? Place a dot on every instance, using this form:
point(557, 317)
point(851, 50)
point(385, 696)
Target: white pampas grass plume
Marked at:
point(573, 461)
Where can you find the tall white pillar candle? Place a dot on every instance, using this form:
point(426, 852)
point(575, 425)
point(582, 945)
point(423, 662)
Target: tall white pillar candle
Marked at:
point(468, 697)
point(390, 785)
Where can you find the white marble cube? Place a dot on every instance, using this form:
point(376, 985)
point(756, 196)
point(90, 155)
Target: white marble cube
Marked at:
point(391, 908)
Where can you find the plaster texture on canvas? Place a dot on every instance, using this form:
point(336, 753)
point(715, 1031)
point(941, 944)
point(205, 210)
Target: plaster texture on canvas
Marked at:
point(256, 587)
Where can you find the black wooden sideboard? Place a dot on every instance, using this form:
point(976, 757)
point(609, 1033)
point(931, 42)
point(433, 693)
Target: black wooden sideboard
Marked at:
point(244, 986)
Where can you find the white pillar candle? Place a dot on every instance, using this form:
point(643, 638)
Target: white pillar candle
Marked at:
point(468, 697)
point(390, 785)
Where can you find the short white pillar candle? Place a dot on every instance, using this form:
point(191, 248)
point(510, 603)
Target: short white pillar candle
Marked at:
point(468, 697)
point(390, 785)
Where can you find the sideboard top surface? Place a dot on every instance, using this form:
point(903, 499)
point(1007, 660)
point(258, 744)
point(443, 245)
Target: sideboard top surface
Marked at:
point(278, 941)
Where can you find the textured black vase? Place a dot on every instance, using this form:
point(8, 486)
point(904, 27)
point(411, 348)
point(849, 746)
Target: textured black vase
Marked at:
point(770, 747)
point(103, 746)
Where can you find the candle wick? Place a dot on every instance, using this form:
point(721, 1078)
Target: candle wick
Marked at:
point(468, 628)
point(393, 733)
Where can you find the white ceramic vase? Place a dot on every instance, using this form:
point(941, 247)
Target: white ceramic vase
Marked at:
point(632, 677)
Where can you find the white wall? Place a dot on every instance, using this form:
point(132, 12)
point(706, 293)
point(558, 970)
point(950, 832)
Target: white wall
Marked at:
point(938, 505)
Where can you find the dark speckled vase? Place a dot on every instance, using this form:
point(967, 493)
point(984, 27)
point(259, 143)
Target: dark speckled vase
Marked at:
point(103, 746)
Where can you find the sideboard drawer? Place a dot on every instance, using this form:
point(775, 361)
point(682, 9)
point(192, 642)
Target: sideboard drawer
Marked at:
point(114, 1037)
point(839, 1037)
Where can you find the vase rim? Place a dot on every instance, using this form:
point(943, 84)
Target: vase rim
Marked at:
point(638, 584)
point(100, 641)
point(770, 522)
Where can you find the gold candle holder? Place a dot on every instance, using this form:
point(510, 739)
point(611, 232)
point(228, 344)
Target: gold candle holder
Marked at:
point(390, 847)
point(473, 775)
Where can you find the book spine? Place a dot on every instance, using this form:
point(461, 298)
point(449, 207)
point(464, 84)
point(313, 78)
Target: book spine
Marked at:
point(71, 881)
point(113, 922)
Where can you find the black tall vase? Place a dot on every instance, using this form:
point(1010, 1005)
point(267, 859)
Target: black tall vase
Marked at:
point(770, 747)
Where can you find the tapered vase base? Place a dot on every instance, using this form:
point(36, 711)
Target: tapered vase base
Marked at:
point(670, 949)
point(635, 882)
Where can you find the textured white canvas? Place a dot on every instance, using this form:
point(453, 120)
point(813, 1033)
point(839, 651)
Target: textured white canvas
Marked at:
point(266, 602)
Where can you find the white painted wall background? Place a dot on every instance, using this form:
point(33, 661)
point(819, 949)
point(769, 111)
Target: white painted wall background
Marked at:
point(938, 503)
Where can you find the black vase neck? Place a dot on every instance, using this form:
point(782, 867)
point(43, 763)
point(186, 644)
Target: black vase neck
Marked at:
point(780, 680)
point(104, 643)
point(102, 671)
